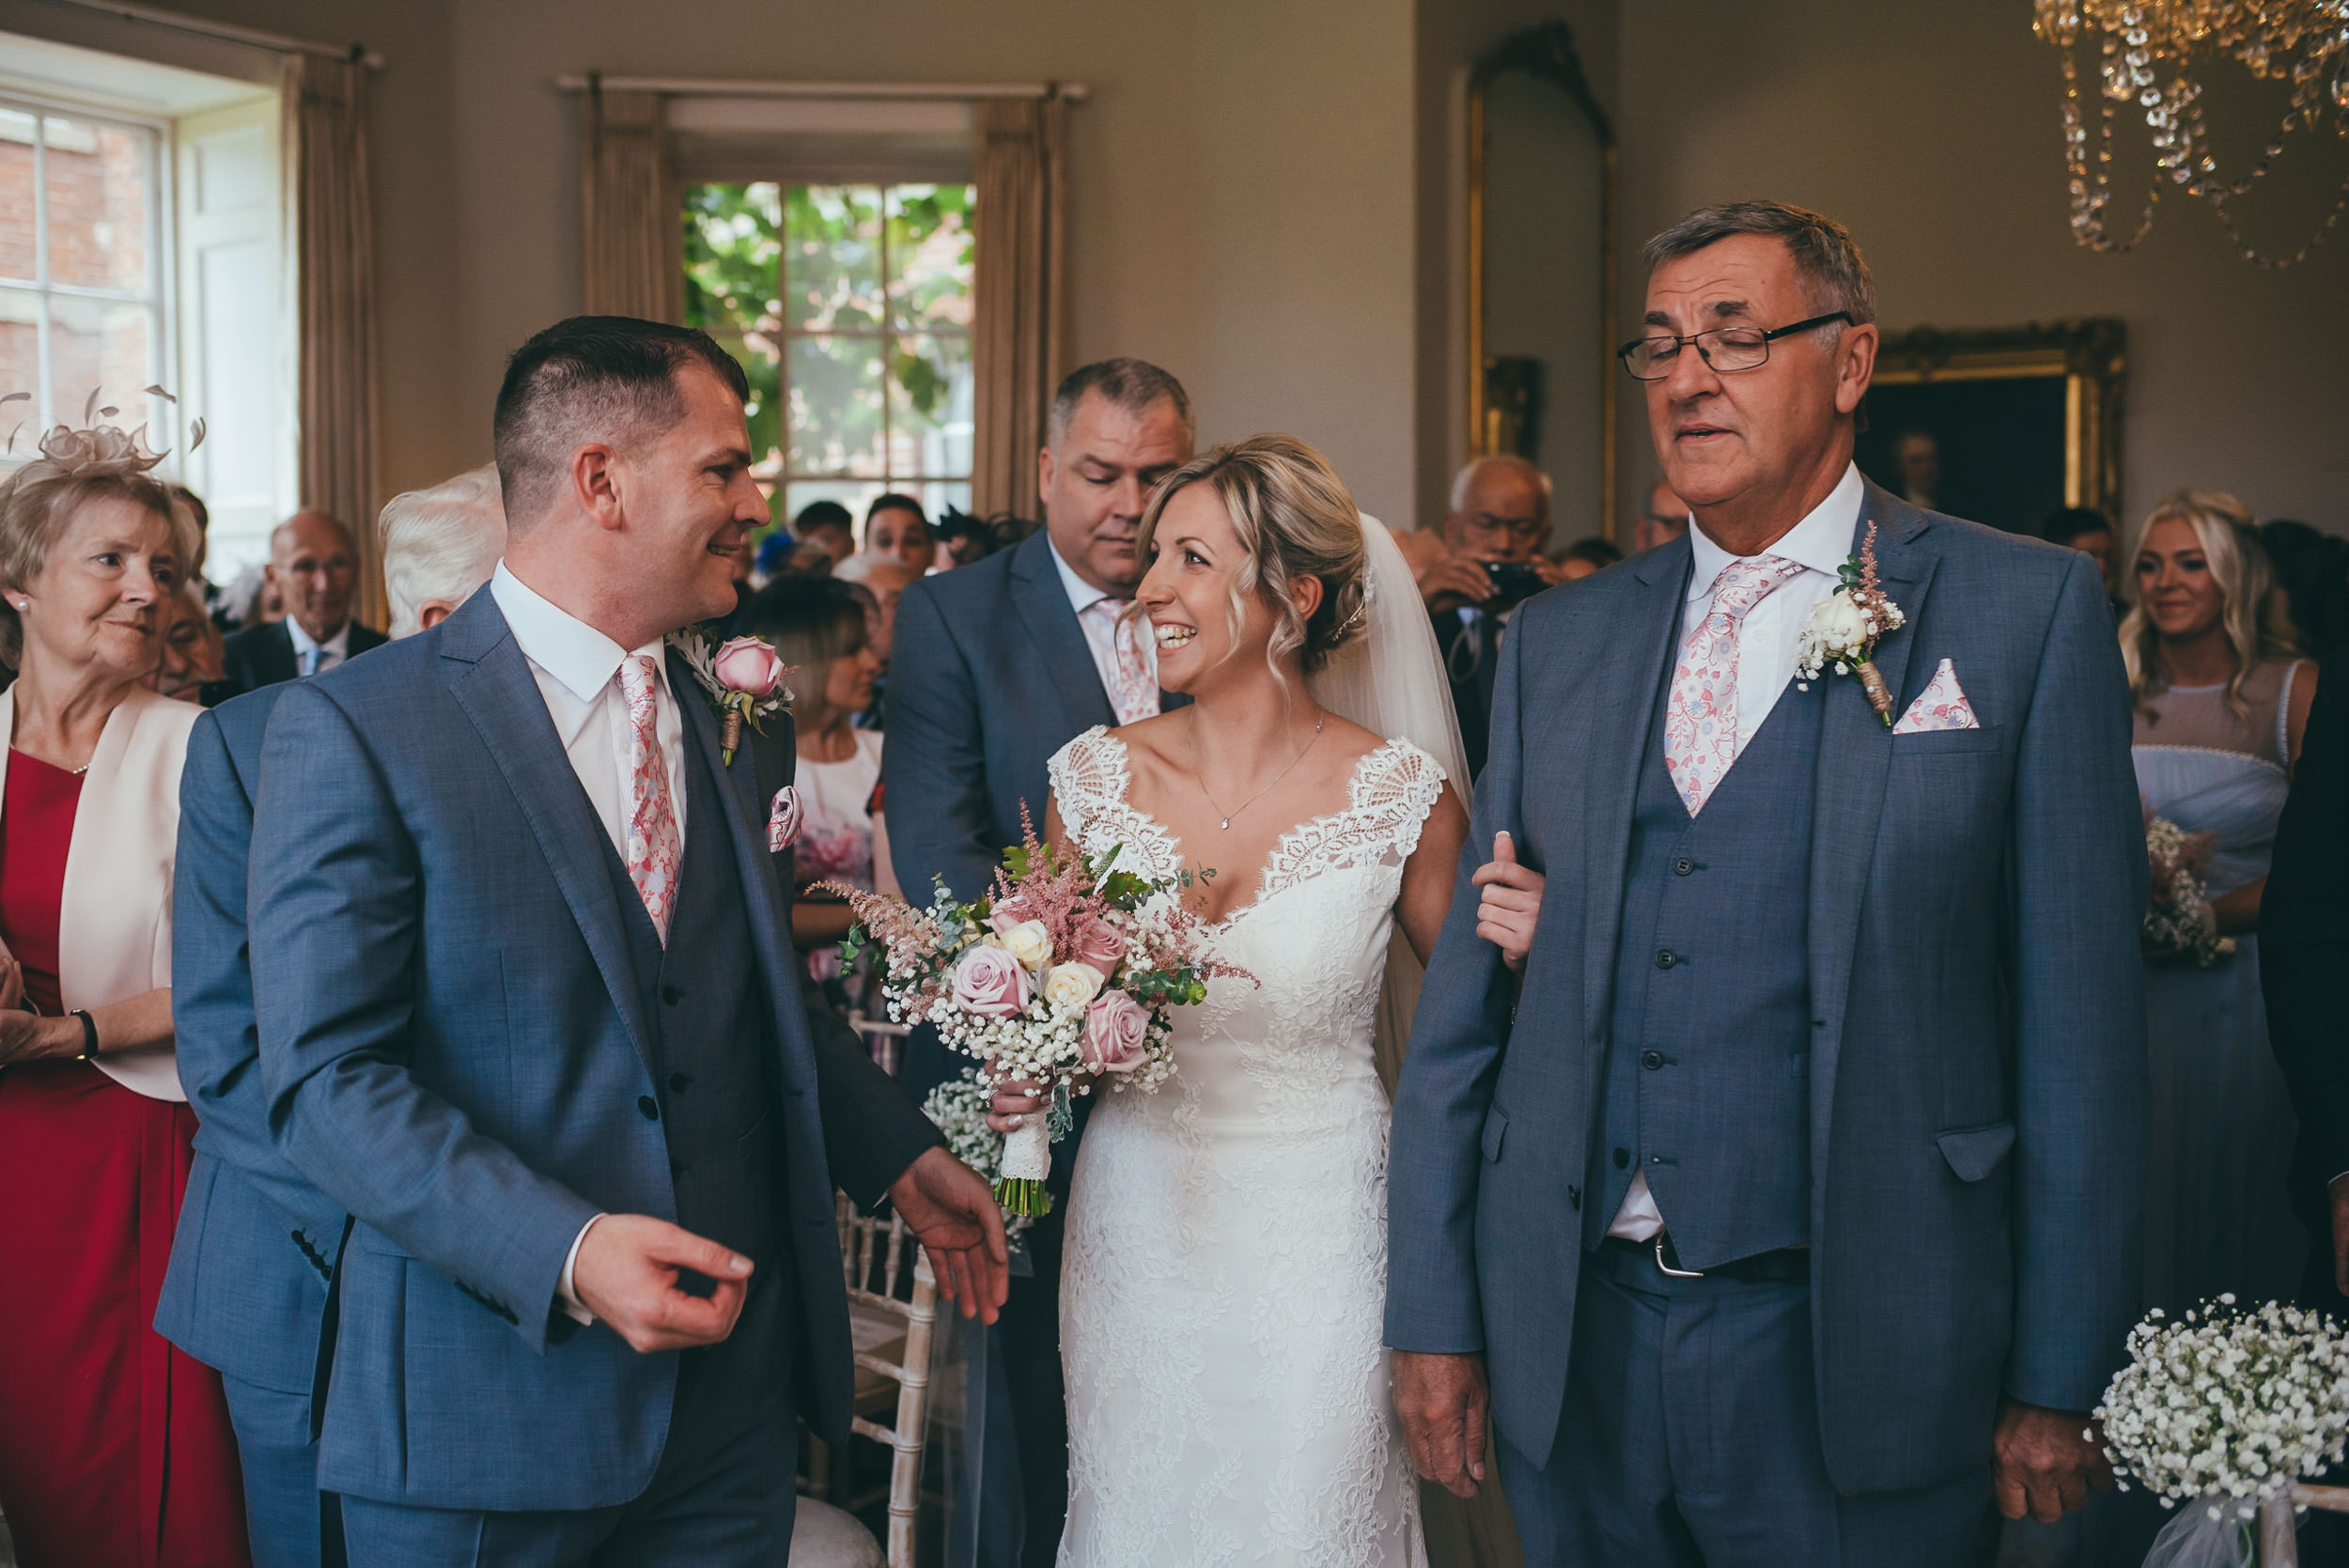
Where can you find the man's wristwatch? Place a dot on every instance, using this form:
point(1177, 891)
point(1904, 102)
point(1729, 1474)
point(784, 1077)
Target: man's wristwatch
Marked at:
point(90, 1035)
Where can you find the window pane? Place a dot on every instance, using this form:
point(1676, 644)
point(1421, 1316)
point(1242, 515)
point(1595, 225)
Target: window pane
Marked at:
point(16, 202)
point(836, 405)
point(733, 243)
point(929, 406)
point(930, 251)
point(97, 183)
point(20, 371)
point(831, 258)
point(103, 347)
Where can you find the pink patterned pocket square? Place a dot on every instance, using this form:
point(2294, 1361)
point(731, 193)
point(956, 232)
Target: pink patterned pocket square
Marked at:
point(1941, 706)
point(783, 821)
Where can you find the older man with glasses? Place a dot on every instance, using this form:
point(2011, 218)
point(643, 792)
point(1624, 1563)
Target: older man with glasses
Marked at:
point(1789, 1188)
point(1492, 561)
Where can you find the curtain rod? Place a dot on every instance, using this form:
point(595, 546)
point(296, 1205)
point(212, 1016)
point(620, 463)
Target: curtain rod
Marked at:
point(685, 86)
point(281, 42)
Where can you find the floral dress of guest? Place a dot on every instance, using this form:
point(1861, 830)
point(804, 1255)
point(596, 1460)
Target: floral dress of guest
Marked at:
point(835, 844)
point(2216, 1214)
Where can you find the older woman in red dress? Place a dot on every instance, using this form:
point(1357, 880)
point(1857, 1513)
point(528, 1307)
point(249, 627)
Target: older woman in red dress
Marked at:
point(115, 1448)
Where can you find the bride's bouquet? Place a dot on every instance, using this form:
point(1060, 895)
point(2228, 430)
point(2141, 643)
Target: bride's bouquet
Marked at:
point(1067, 972)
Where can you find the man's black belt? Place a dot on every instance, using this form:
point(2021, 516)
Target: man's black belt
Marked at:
point(1786, 1265)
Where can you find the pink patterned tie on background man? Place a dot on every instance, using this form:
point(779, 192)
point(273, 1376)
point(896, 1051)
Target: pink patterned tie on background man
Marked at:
point(654, 846)
point(1135, 692)
point(1701, 714)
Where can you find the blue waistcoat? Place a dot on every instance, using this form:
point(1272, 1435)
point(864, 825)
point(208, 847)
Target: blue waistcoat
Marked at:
point(714, 1054)
point(1707, 1085)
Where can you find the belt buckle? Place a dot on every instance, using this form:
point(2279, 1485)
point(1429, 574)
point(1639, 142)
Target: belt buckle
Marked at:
point(1669, 1269)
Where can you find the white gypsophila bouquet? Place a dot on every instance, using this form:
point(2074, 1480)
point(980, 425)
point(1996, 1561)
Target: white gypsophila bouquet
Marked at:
point(2226, 1409)
point(958, 1110)
point(1065, 975)
point(2179, 925)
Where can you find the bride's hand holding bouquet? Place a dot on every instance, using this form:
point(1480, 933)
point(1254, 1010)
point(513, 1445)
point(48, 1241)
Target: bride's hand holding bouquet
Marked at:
point(1065, 974)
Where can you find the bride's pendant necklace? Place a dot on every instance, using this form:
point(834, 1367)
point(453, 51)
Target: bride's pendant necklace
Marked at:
point(1318, 721)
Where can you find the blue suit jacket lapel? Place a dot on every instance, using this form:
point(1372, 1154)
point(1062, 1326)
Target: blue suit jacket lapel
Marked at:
point(1037, 594)
point(1855, 757)
point(491, 681)
point(1630, 668)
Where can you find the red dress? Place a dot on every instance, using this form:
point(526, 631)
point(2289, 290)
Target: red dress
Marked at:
point(116, 1449)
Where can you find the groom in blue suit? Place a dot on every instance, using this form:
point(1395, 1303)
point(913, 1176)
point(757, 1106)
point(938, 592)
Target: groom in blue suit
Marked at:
point(529, 1011)
point(1787, 1201)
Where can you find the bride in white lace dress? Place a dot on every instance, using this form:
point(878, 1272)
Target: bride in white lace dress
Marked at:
point(1226, 1256)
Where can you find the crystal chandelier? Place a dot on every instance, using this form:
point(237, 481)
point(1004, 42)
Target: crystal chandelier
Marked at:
point(2149, 52)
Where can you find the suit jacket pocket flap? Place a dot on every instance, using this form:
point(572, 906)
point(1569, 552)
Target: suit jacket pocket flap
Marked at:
point(1973, 1153)
point(1495, 1128)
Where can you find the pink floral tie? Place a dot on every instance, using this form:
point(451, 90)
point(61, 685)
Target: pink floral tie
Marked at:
point(1135, 692)
point(1701, 714)
point(654, 846)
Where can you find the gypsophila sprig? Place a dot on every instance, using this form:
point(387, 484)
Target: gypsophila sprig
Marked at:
point(1065, 975)
point(958, 1109)
point(2228, 1407)
point(2181, 927)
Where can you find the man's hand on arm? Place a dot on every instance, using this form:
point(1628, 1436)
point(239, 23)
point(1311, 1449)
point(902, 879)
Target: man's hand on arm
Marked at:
point(951, 1209)
point(1442, 1401)
point(632, 1270)
point(2043, 1463)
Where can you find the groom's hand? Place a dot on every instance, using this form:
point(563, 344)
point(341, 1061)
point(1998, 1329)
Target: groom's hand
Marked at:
point(951, 1209)
point(645, 1279)
point(1511, 906)
point(2043, 1463)
point(1441, 1400)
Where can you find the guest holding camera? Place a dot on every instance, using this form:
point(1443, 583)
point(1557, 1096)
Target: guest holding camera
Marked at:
point(1494, 534)
point(2222, 703)
point(113, 1444)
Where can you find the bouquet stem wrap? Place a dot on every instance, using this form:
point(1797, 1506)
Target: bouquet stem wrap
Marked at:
point(1027, 1160)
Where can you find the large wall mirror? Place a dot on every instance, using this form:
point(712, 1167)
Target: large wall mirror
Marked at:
point(1541, 270)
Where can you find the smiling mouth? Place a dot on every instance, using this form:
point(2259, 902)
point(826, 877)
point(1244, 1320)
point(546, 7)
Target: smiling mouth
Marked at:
point(1692, 432)
point(1169, 638)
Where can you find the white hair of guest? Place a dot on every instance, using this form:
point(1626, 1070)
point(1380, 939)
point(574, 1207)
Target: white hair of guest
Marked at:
point(1509, 463)
point(438, 544)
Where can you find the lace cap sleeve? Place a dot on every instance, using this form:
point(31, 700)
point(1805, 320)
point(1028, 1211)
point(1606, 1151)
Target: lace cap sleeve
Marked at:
point(1087, 775)
point(1397, 787)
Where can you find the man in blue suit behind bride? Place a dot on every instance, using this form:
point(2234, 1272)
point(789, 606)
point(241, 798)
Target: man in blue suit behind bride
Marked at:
point(1787, 1201)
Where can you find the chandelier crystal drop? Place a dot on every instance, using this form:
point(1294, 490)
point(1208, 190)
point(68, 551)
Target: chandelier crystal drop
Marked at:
point(2148, 52)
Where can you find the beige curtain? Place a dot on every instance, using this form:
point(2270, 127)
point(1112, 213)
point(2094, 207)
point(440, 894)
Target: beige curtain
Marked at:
point(632, 227)
point(1019, 276)
point(334, 262)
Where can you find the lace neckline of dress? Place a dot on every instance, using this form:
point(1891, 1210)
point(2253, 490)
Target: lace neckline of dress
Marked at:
point(1281, 869)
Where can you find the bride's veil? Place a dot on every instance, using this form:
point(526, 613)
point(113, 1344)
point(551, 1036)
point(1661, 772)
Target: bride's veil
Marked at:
point(1391, 681)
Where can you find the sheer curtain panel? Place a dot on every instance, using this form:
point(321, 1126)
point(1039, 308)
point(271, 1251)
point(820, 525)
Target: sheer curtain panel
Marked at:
point(333, 245)
point(1018, 277)
point(634, 261)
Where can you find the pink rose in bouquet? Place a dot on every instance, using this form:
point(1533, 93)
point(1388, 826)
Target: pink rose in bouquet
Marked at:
point(1096, 941)
point(1117, 1031)
point(990, 982)
point(748, 665)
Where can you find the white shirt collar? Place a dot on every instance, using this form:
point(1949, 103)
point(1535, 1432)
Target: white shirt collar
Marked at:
point(338, 645)
point(1822, 541)
point(580, 659)
point(1083, 596)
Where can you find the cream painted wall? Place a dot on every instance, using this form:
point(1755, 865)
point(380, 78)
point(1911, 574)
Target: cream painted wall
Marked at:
point(1241, 186)
point(1931, 128)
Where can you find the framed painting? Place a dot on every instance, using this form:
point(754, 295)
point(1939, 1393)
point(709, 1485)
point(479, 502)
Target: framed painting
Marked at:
point(2001, 426)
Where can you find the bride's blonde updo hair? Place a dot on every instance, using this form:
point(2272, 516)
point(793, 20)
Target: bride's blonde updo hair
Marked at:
point(1294, 519)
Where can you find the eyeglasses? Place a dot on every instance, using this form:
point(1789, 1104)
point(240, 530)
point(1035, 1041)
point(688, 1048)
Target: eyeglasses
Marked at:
point(1725, 348)
point(1487, 528)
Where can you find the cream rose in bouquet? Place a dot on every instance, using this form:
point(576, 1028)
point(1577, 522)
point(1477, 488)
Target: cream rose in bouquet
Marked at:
point(1066, 975)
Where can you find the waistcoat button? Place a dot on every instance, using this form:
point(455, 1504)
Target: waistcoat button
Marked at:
point(645, 1103)
point(1651, 1059)
point(1683, 865)
point(680, 1083)
point(671, 995)
point(1665, 958)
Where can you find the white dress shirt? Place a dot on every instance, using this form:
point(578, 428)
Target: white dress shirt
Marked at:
point(331, 652)
point(1100, 628)
point(577, 668)
point(1820, 544)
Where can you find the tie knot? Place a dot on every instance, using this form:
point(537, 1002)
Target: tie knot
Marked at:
point(637, 677)
point(1745, 584)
